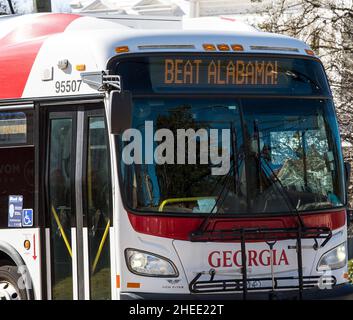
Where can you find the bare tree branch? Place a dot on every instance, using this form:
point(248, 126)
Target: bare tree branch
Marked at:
point(327, 26)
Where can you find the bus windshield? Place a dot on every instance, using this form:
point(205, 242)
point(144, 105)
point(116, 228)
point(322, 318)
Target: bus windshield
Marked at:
point(232, 154)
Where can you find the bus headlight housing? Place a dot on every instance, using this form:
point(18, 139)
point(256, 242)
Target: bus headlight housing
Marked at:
point(147, 264)
point(334, 259)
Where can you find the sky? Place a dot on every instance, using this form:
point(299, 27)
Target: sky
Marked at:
point(61, 5)
point(57, 5)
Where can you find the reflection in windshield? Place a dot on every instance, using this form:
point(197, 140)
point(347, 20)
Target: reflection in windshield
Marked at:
point(282, 150)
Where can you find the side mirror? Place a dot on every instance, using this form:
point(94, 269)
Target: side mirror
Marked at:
point(120, 111)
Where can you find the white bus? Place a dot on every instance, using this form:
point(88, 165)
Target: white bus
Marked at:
point(78, 221)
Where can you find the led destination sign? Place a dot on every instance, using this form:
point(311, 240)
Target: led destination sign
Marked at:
point(260, 74)
point(220, 72)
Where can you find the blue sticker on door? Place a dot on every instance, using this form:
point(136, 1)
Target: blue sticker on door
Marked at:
point(27, 218)
point(15, 211)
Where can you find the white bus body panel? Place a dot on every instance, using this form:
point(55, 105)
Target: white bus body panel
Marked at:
point(190, 258)
point(91, 42)
point(31, 258)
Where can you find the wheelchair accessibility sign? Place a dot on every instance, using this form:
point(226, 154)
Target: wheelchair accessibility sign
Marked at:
point(27, 218)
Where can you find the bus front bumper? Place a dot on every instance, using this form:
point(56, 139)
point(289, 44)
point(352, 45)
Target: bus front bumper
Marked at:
point(339, 292)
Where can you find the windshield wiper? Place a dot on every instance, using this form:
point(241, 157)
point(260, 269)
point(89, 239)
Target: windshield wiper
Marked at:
point(281, 189)
point(202, 227)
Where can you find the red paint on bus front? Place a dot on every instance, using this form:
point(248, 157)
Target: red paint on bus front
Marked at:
point(180, 227)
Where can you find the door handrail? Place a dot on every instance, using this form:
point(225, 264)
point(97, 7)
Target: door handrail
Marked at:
point(61, 230)
point(101, 245)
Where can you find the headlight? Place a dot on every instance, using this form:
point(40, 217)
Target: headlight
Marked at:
point(333, 259)
point(148, 264)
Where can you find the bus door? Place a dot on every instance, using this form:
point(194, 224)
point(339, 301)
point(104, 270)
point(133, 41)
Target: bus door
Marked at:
point(78, 192)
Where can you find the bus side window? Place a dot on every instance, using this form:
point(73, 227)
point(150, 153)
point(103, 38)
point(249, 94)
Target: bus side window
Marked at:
point(16, 161)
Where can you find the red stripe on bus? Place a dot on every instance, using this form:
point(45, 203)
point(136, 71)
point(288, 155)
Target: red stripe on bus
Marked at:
point(179, 228)
point(228, 19)
point(19, 49)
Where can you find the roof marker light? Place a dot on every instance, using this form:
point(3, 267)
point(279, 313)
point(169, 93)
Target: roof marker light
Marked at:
point(223, 47)
point(237, 47)
point(310, 52)
point(122, 49)
point(209, 47)
point(81, 67)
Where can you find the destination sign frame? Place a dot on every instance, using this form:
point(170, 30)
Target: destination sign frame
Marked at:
point(223, 73)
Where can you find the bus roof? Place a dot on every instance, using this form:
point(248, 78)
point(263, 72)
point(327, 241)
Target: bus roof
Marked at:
point(32, 47)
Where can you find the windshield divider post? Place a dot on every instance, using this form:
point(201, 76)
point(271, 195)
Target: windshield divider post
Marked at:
point(235, 156)
point(244, 266)
point(300, 262)
point(246, 150)
point(304, 160)
point(258, 158)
